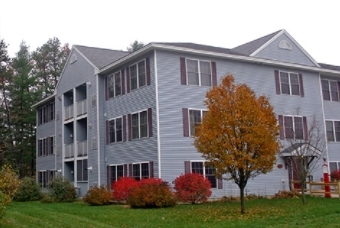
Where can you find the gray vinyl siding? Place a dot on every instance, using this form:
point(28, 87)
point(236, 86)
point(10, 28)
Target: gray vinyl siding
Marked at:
point(143, 98)
point(295, 55)
point(332, 112)
point(43, 131)
point(175, 149)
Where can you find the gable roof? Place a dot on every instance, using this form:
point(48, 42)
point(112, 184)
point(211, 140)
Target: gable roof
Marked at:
point(100, 57)
point(202, 47)
point(250, 47)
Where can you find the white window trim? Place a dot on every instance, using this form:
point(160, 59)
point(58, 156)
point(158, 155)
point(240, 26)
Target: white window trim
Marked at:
point(289, 83)
point(147, 124)
point(329, 89)
point(204, 162)
point(284, 128)
point(199, 71)
point(194, 109)
point(115, 165)
point(121, 117)
point(334, 134)
point(113, 75)
point(137, 69)
point(140, 168)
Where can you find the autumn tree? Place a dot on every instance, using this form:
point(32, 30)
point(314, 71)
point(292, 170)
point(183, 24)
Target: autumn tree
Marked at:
point(305, 147)
point(238, 135)
point(136, 45)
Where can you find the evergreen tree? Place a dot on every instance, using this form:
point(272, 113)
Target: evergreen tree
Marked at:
point(135, 46)
point(49, 61)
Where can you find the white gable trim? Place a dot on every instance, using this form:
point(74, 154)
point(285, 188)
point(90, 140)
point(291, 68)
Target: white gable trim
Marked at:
point(292, 39)
point(267, 43)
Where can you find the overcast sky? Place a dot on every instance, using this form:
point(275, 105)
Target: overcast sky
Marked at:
point(117, 23)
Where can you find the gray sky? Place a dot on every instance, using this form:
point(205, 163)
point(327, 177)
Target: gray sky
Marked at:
point(117, 23)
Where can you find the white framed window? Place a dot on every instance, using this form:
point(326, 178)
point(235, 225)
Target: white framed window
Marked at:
point(141, 170)
point(198, 72)
point(139, 125)
point(293, 127)
point(138, 75)
point(205, 170)
point(333, 130)
point(330, 90)
point(195, 119)
point(114, 85)
point(116, 130)
point(46, 146)
point(46, 113)
point(116, 172)
point(334, 165)
point(289, 83)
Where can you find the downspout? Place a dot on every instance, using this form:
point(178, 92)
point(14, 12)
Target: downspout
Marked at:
point(157, 118)
point(98, 125)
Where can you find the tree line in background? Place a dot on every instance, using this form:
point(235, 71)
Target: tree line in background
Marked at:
point(24, 80)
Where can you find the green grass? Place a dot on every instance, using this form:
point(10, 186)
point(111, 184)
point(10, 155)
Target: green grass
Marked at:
point(319, 212)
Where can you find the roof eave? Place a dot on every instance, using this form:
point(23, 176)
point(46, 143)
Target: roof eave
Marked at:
point(51, 97)
point(257, 60)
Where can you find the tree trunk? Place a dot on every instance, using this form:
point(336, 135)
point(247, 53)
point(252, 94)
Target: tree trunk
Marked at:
point(303, 196)
point(243, 205)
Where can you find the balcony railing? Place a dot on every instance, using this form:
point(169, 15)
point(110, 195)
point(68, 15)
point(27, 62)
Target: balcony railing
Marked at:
point(68, 112)
point(81, 107)
point(69, 150)
point(82, 148)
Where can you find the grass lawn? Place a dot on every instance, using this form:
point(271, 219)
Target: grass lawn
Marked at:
point(319, 212)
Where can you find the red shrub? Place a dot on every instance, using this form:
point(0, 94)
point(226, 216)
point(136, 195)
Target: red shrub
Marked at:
point(122, 187)
point(151, 193)
point(192, 187)
point(335, 175)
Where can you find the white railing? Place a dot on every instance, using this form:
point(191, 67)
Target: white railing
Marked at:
point(82, 148)
point(82, 107)
point(68, 112)
point(69, 151)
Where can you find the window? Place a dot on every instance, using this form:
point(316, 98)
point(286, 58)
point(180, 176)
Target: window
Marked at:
point(82, 174)
point(140, 124)
point(191, 119)
point(116, 130)
point(289, 83)
point(293, 127)
point(114, 85)
point(333, 131)
point(141, 170)
point(115, 172)
point(198, 72)
point(138, 75)
point(46, 113)
point(330, 90)
point(206, 170)
point(45, 176)
point(46, 146)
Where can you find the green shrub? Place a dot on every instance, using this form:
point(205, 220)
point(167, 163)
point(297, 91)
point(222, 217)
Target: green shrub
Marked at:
point(46, 198)
point(29, 190)
point(4, 200)
point(61, 190)
point(9, 181)
point(151, 193)
point(97, 196)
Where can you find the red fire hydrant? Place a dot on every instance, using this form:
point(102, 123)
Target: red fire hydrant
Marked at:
point(326, 180)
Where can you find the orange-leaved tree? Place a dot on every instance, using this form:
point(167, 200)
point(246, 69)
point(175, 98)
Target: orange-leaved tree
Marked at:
point(238, 135)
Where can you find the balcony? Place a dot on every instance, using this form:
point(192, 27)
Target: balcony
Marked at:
point(82, 107)
point(68, 112)
point(69, 151)
point(82, 148)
